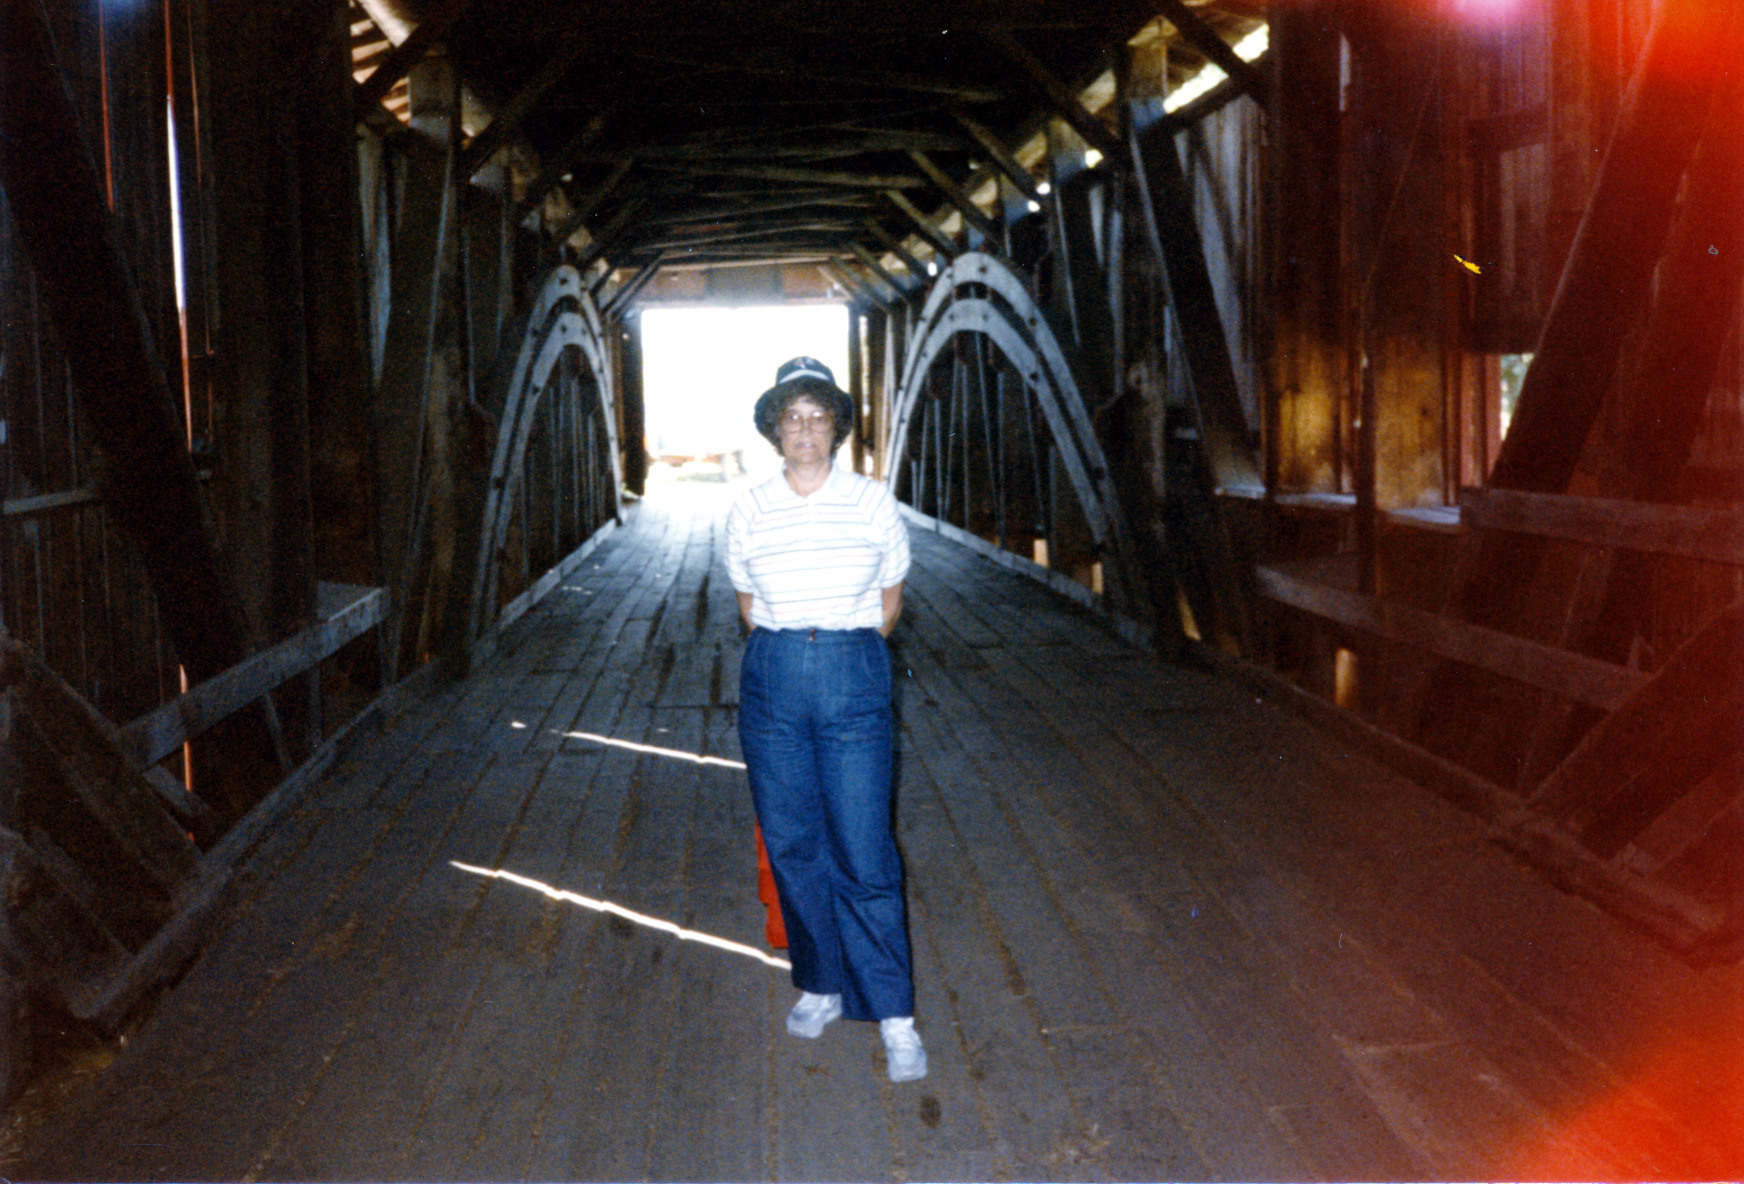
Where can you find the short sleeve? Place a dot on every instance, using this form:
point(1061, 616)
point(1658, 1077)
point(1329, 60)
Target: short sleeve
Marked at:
point(893, 534)
point(738, 531)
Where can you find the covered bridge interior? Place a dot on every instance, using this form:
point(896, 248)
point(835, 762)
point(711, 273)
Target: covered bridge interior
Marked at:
point(1345, 387)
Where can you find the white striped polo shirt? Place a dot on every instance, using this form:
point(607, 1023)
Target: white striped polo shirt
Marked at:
point(818, 562)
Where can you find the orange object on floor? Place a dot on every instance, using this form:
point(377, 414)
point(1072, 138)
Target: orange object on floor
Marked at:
point(774, 930)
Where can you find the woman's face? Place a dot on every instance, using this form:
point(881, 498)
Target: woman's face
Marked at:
point(806, 431)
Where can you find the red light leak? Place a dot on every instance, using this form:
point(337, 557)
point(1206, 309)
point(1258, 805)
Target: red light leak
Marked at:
point(1697, 49)
point(1680, 1117)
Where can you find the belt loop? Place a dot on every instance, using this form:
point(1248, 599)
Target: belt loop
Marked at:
point(813, 636)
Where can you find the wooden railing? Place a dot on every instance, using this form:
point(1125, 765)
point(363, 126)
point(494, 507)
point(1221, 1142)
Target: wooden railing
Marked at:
point(1637, 815)
point(101, 921)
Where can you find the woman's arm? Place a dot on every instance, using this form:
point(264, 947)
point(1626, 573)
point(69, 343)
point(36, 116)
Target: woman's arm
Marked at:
point(745, 610)
point(892, 608)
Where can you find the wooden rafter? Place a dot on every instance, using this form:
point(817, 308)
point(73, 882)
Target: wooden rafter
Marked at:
point(900, 287)
point(1062, 98)
point(508, 119)
point(764, 62)
point(564, 159)
point(955, 194)
point(399, 60)
point(922, 223)
point(1000, 155)
point(1201, 36)
point(894, 245)
point(848, 180)
point(593, 199)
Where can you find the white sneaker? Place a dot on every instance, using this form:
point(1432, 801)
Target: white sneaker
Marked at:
point(813, 1013)
point(902, 1048)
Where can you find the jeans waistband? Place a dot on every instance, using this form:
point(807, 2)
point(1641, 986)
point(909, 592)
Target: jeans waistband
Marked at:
point(821, 636)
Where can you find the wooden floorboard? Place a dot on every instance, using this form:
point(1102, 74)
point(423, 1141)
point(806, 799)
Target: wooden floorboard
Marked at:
point(1162, 930)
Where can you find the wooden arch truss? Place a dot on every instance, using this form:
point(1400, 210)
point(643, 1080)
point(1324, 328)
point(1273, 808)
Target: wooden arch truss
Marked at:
point(990, 431)
point(555, 469)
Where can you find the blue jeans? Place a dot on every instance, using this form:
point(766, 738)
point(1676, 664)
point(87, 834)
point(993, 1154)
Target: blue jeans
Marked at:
point(815, 728)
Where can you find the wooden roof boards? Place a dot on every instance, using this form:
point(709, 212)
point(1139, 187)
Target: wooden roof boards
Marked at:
point(722, 113)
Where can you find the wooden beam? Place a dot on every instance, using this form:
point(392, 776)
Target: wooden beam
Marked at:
point(922, 223)
point(765, 62)
point(609, 233)
point(158, 733)
point(1209, 103)
point(1000, 155)
point(768, 230)
point(955, 195)
point(846, 277)
point(865, 432)
point(1697, 290)
point(787, 252)
point(1695, 700)
point(1204, 38)
point(848, 141)
point(563, 159)
point(1573, 676)
point(49, 503)
point(1711, 533)
point(879, 270)
point(717, 215)
point(1084, 285)
point(110, 1002)
point(1166, 206)
point(1618, 246)
point(98, 768)
point(592, 199)
point(894, 245)
point(398, 61)
point(570, 47)
point(619, 300)
point(799, 176)
point(61, 217)
point(1060, 97)
point(421, 243)
point(633, 404)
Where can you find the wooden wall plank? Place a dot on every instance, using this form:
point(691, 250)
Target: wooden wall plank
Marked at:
point(1711, 533)
point(1586, 680)
point(100, 772)
point(1651, 728)
point(155, 735)
point(57, 200)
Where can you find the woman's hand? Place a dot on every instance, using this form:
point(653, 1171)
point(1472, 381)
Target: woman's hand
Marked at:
point(892, 608)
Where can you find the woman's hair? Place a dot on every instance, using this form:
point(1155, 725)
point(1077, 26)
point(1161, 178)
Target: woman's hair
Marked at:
point(775, 402)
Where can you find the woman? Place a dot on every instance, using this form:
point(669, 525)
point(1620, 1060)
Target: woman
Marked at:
point(818, 555)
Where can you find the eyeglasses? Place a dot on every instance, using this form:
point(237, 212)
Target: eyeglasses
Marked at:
point(794, 422)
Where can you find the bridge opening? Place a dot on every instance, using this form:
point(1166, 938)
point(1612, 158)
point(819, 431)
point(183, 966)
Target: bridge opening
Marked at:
point(703, 370)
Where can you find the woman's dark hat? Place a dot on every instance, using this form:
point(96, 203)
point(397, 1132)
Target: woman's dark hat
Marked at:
point(809, 377)
point(803, 368)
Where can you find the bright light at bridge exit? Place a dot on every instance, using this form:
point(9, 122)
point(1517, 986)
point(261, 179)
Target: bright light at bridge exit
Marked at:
point(703, 368)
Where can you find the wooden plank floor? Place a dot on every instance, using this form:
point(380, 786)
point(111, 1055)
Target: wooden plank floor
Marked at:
point(1163, 930)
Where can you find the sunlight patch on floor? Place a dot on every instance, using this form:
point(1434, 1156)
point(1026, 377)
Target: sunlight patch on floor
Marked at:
point(652, 750)
point(618, 910)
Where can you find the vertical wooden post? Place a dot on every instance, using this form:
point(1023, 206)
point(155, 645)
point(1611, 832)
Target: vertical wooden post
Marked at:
point(1620, 241)
point(865, 429)
point(59, 208)
point(339, 396)
point(1226, 461)
point(1606, 280)
point(895, 343)
point(419, 251)
point(877, 392)
point(632, 401)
